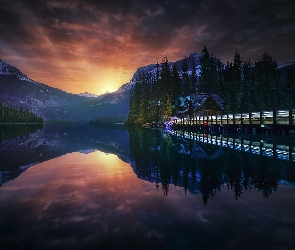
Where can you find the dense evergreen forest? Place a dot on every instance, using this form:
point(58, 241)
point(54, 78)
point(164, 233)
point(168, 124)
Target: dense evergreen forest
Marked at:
point(243, 86)
point(12, 115)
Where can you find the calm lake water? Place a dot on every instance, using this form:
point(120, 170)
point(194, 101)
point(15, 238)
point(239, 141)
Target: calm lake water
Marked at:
point(106, 187)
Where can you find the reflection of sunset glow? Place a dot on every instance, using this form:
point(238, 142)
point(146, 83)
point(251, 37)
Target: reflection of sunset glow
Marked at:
point(107, 158)
point(76, 178)
point(92, 198)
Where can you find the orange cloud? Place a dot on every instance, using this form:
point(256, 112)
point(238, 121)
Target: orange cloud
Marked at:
point(96, 46)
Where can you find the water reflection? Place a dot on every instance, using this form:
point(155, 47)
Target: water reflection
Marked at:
point(83, 193)
point(11, 138)
point(94, 201)
point(200, 164)
point(25, 147)
point(15, 131)
point(254, 145)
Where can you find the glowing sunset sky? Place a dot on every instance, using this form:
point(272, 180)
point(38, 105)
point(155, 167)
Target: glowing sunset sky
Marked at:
point(96, 46)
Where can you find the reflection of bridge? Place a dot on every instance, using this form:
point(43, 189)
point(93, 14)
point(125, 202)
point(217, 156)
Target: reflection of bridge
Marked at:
point(275, 122)
point(258, 147)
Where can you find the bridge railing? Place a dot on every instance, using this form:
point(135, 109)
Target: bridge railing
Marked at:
point(279, 117)
point(279, 151)
point(282, 117)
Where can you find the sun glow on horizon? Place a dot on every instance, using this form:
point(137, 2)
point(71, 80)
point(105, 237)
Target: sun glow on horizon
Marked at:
point(97, 46)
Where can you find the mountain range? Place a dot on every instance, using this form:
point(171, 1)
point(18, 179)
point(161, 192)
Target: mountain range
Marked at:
point(18, 90)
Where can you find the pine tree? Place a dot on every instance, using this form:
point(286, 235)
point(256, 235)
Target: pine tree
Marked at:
point(237, 82)
point(289, 89)
point(227, 94)
point(135, 100)
point(165, 89)
point(219, 87)
point(193, 80)
point(13, 115)
point(205, 78)
point(176, 87)
point(144, 99)
point(156, 95)
point(248, 88)
point(185, 78)
point(267, 80)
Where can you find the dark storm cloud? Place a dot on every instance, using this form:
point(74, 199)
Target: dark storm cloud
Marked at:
point(128, 34)
point(247, 26)
point(220, 24)
point(12, 26)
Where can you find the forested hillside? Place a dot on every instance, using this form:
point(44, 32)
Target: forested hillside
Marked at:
point(243, 86)
point(12, 115)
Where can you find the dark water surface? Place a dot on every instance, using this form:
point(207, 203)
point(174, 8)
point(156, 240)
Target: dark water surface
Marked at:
point(105, 187)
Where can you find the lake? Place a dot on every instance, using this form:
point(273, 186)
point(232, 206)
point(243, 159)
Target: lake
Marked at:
point(108, 187)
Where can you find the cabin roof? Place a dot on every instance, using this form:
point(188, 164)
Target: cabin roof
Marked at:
point(203, 97)
point(200, 99)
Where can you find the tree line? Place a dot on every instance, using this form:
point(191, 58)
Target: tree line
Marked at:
point(13, 115)
point(246, 86)
point(243, 86)
point(154, 96)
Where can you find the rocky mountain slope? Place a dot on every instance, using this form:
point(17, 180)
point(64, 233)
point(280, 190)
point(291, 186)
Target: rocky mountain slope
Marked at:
point(150, 69)
point(51, 103)
point(17, 90)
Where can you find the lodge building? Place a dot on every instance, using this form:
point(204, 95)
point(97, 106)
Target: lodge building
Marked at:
point(200, 104)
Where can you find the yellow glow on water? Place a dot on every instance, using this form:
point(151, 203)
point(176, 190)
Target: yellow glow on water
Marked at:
point(89, 197)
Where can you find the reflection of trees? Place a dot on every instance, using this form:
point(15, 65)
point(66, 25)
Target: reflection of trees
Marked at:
point(8, 132)
point(211, 179)
point(162, 158)
point(235, 174)
point(155, 156)
point(265, 181)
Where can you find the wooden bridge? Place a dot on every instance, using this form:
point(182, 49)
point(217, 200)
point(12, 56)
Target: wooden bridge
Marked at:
point(279, 122)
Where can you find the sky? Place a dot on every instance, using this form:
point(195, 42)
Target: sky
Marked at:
point(96, 45)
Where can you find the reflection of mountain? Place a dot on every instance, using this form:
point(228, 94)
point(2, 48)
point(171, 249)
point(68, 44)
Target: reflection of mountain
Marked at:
point(17, 90)
point(10, 141)
point(198, 165)
point(56, 140)
point(203, 167)
point(13, 131)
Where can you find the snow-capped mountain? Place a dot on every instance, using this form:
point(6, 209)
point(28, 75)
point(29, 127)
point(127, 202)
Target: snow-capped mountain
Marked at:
point(87, 94)
point(282, 65)
point(17, 90)
point(6, 69)
point(150, 69)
